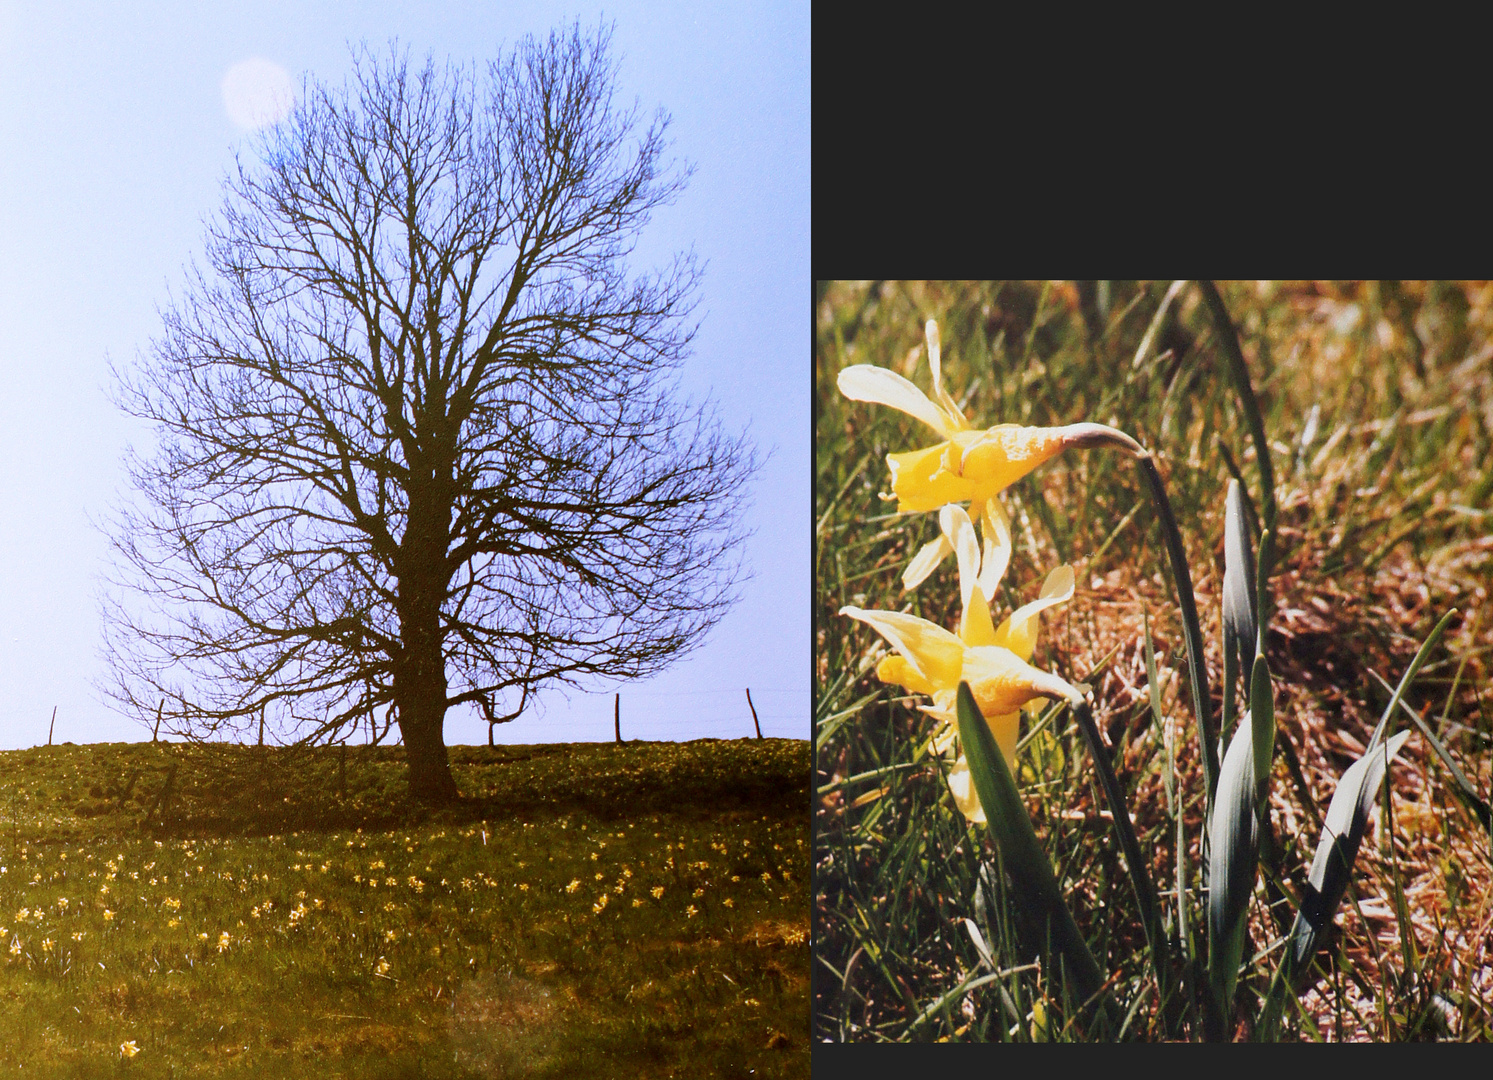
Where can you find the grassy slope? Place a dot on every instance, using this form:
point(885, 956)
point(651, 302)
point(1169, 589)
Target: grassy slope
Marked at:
point(1384, 510)
point(368, 938)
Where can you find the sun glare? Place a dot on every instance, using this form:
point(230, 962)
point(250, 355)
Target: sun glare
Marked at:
point(257, 92)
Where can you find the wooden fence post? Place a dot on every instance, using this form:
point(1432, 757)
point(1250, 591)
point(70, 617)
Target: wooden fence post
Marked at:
point(162, 796)
point(617, 716)
point(53, 726)
point(754, 712)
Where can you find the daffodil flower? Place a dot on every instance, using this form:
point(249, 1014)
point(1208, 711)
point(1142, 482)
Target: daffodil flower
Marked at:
point(970, 465)
point(994, 660)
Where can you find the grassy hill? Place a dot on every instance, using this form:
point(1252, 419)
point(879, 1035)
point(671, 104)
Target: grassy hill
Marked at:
point(636, 909)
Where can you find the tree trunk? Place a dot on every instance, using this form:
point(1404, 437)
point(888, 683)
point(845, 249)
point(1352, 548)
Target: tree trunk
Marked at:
point(420, 696)
point(425, 749)
point(420, 674)
point(420, 692)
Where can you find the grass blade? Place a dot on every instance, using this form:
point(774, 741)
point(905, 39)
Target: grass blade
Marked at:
point(1420, 658)
point(1239, 370)
point(1157, 321)
point(1464, 788)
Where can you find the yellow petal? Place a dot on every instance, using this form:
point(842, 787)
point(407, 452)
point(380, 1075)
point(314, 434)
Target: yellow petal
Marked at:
point(996, 527)
point(976, 628)
point(936, 654)
point(1002, 682)
point(895, 669)
point(925, 562)
point(924, 480)
point(1019, 632)
point(1006, 729)
point(867, 382)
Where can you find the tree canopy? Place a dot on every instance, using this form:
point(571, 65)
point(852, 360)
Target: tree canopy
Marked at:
point(418, 436)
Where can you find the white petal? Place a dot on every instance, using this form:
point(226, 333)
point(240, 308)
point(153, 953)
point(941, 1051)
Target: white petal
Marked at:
point(866, 382)
point(941, 397)
point(959, 531)
point(925, 562)
point(961, 786)
point(1057, 589)
point(997, 529)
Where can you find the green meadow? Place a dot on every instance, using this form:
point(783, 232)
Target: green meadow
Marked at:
point(587, 909)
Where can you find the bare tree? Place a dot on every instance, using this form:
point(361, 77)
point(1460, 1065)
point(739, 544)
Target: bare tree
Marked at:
point(419, 442)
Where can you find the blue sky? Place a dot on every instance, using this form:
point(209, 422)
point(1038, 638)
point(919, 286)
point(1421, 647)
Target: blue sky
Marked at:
point(115, 135)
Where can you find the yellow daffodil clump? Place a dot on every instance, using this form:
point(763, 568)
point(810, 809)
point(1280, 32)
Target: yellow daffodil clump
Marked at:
point(993, 660)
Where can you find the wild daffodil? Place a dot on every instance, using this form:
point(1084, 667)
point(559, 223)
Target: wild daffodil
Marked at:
point(994, 660)
point(970, 465)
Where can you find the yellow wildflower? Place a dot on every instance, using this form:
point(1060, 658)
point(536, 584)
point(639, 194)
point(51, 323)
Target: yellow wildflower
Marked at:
point(971, 465)
point(224, 941)
point(993, 660)
point(108, 915)
point(657, 891)
point(128, 1049)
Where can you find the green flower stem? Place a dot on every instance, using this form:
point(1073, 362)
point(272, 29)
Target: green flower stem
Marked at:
point(1239, 370)
point(1191, 628)
point(1135, 864)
